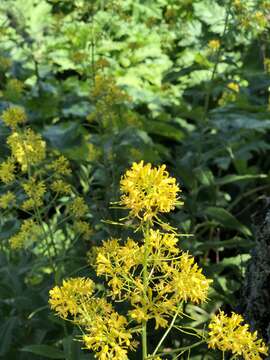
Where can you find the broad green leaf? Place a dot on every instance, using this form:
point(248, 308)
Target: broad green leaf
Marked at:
point(68, 139)
point(211, 13)
point(45, 350)
point(226, 219)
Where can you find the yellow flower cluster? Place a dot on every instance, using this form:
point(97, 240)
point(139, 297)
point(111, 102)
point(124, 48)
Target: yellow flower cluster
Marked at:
point(14, 89)
point(14, 116)
point(7, 200)
point(108, 337)
point(27, 148)
point(267, 65)
point(148, 191)
point(7, 170)
point(105, 331)
point(233, 86)
point(228, 334)
point(153, 275)
point(68, 298)
point(29, 232)
point(35, 191)
point(173, 276)
point(83, 228)
point(260, 19)
point(5, 63)
point(249, 18)
point(214, 44)
point(61, 187)
point(60, 166)
point(107, 96)
point(78, 208)
point(230, 94)
point(101, 63)
point(106, 87)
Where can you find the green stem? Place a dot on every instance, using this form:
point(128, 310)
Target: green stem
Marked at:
point(175, 351)
point(208, 91)
point(145, 286)
point(38, 217)
point(168, 330)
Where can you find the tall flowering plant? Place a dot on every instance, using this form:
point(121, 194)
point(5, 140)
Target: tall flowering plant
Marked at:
point(153, 275)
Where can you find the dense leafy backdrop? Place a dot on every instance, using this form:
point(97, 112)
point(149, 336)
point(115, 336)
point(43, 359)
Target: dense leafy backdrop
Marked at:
point(107, 83)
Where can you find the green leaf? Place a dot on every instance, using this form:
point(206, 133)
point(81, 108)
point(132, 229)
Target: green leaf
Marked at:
point(45, 350)
point(164, 129)
point(211, 13)
point(236, 242)
point(8, 228)
point(235, 178)
point(6, 334)
point(67, 138)
point(226, 219)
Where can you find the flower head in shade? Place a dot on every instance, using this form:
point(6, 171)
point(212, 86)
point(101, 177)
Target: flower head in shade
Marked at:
point(28, 233)
point(7, 200)
point(7, 170)
point(14, 116)
point(27, 148)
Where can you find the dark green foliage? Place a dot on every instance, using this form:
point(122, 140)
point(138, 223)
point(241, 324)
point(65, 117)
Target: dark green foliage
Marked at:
point(214, 140)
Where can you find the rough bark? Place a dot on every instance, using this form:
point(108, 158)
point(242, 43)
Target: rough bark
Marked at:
point(256, 289)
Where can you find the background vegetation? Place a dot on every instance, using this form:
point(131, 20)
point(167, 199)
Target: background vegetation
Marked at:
point(107, 83)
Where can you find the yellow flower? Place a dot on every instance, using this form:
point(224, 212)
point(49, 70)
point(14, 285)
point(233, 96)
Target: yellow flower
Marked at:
point(14, 116)
point(163, 243)
point(29, 231)
point(148, 191)
point(68, 298)
point(267, 64)
point(78, 207)
point(214, 44)
point(106, 87)
point(27, 148)
point(7, 169)
point(174, 278)
point(7, 200)
point(61, 187)
point(239, 5)
point(60, 166)
point(188, 281)
point(82, 227)
point(5, 63)
point(260, 19)
point(109, 337)
point(101, 63)
point(14, 89)
point(233, 86)
point(35, 191)
point(228, 334)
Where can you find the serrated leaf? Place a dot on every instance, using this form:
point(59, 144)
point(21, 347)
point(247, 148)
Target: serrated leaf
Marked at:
point(211, 13)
